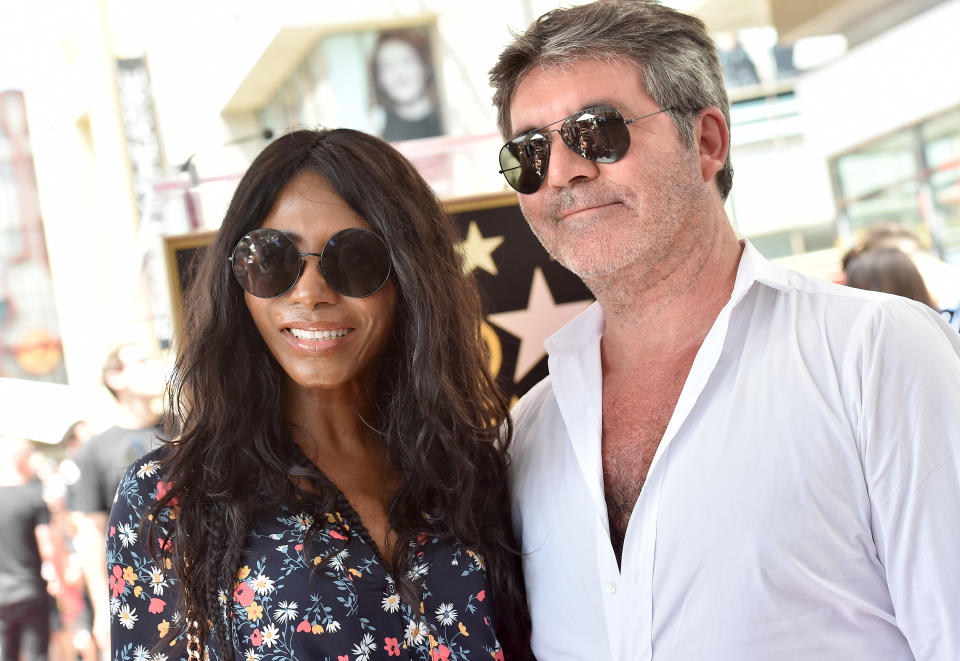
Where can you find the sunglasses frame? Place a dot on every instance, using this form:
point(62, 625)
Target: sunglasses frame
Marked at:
point(544, 133)
point(319, 255)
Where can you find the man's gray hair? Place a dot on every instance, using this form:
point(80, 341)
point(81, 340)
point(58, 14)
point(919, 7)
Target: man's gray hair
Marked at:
point(677, 59)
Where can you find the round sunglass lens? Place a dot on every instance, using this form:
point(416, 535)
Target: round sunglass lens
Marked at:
point(266, 263)
point(355, 262)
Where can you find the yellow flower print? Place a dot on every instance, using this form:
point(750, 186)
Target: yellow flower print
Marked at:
point(463, 629)
point(254, 612)
point(433, 641)
point(137, 591)
point(317, 629)
point(317, 560)
point(129, 575)
point(243, 572)
point(330, 518)
point(163, 628)
point(167, 563)
point(355, 572)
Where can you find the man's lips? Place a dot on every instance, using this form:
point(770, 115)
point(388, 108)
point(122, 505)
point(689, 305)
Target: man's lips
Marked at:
point(566, 213)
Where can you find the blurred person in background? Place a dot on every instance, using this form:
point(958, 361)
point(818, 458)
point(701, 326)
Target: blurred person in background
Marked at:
point(25, 545)
point(889, 270)
point(941, 279)
point(337, 486)
point(70, 635)
point(135, 378)
point(404, 87)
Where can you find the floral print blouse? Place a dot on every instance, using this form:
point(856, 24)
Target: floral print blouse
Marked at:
point(338, 604)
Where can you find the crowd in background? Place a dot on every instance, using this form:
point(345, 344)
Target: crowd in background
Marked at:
point(54, 503)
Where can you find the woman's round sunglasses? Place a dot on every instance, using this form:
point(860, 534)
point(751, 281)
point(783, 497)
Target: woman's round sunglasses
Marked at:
point(599, 134)
point(354, 262)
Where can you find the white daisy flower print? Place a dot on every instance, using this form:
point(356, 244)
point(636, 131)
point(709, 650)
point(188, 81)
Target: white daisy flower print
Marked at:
point(333, 627)
point(148, 469)
point(262, 584)
point(415, 632)
point(446, 615)
point(336, 561)
point(363, 649)
point(114, 606)
point(419, 570)
point(285, 611)
point(141, 653)
point(157, 581)
point(251, 655)
point(270, 635)
point(304, 521)
point(390, 603)
point(159, 657)
point(127, 534)
point(127, 616)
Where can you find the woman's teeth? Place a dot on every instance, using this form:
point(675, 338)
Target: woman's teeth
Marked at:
point(319, 334)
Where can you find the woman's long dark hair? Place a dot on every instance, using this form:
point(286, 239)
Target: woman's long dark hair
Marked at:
point(440, 411)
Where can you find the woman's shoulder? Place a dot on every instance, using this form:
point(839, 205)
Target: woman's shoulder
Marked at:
point(143, 483)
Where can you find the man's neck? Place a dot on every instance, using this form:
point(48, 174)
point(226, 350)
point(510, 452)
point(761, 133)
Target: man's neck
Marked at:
point(136, 413)
point(669, 311)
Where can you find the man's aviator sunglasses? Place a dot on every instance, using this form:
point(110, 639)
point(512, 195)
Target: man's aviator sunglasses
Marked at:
point(354, 262)
point(599, 134)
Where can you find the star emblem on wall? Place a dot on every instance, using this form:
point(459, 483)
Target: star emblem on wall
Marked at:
point(478, 250)
point(539, 320)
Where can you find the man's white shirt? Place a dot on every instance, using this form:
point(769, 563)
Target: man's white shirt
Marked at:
point(804, 502)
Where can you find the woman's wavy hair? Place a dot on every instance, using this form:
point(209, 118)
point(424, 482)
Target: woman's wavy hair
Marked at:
point(443, 422)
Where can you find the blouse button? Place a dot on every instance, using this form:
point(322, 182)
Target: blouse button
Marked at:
point(611, 587)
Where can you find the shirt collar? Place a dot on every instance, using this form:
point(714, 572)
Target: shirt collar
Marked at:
point(587, 327)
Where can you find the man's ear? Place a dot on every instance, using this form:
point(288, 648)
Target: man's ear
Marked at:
point(712, 139)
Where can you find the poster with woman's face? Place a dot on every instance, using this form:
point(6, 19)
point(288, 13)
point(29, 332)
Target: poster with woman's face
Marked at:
point(379, 81)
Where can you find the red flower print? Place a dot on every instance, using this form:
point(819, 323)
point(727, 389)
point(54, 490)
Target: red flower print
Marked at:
point(299, 547)
point(117, 585)
point(481, 595)
point(392, 645)
point(304, 627)
point(441, 653)
point(165, 544)
point(422, 538)
point(243, 595)
point(336, 535)
point(157, 605)
point(498, 655)
point(113, 530)
point(163, 488)
point(256, 638)
point(343, 657)
point(486, 620)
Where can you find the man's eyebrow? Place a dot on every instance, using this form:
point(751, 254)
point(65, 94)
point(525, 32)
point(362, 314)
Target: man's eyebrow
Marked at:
point(591, 104)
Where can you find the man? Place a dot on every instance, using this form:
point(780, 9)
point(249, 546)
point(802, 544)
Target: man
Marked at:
point(136, 379)
point(24, 546)
point(728, 461)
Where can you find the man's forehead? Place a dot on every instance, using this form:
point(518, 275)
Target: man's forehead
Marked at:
point(549, 92)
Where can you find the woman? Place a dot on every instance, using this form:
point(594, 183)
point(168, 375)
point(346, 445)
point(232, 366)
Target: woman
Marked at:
point(888, 270)
point(336, 488)
point(404, 89)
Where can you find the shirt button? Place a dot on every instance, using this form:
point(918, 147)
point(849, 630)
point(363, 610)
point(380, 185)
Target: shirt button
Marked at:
point(611, 587)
